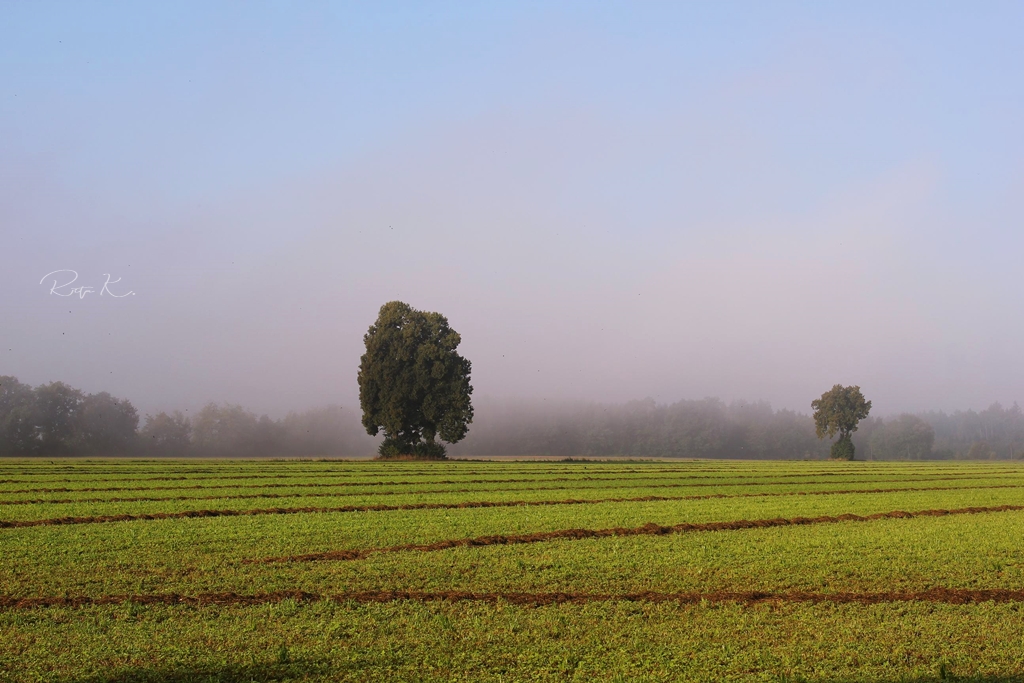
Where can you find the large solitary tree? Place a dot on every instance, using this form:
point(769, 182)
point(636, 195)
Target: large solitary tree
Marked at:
point(838, 411)
point(413, 384)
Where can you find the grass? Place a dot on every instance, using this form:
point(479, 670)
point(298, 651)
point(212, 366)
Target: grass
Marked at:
point(611, 640)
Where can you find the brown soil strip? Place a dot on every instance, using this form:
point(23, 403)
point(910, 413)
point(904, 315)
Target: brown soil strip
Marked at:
point(649, 529)
point(426, 472)
point(332, 484)
point(185, 514)
point(251, 496)
point(950, 596)
point(639, 483)
point(249, 477)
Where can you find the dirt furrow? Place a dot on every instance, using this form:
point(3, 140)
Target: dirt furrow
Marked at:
point(186, 514)
point(588, 477)
point(649, 529)
point(253, 496)
point(951, 596)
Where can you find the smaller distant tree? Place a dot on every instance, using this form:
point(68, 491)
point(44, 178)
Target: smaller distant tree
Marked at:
point(837, 412)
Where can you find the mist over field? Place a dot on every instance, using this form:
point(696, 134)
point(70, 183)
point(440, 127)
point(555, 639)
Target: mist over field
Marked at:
point(609, 203)
point(588, 340)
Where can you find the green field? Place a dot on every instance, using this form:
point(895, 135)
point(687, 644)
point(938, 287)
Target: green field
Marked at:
point(506, 571)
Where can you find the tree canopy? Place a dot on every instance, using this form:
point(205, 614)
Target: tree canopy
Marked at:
point(413, 384)
point(838, 411)
point(57, 419)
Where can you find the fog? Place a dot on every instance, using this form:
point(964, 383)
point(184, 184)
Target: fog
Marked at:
point(609, 203)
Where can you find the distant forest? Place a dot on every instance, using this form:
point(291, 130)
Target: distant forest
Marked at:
point(58, 420)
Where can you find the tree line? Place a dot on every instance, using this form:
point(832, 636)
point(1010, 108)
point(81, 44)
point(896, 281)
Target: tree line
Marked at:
point(711, 428)
point(56, 419)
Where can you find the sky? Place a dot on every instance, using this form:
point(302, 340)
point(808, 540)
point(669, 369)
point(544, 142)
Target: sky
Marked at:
point(608, 200)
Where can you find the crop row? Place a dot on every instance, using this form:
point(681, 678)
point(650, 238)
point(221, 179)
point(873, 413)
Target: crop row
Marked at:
point(958, 551)
point(639, 482)
point(186, 514)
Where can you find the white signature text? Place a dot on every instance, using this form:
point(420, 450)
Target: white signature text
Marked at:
point(61, 288)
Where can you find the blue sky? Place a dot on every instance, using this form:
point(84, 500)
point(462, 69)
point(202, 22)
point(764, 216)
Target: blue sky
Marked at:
point(608, 200)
